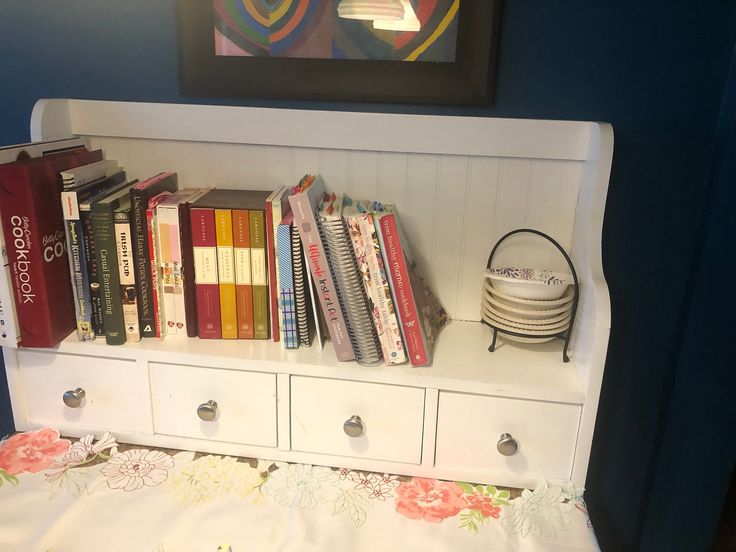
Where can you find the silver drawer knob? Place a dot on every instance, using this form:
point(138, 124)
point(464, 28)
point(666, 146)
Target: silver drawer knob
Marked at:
point(507, 445)
point(73, 399)
point(207, 411)
point(353, 427)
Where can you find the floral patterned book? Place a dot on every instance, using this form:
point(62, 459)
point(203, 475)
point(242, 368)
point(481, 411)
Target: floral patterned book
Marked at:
point(359, 217)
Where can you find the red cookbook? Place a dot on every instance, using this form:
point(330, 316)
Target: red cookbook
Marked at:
point(33, 224)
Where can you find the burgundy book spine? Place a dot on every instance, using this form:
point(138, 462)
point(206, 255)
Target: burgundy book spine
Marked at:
point(33, 224)
point(187, 267)
point(207, 289)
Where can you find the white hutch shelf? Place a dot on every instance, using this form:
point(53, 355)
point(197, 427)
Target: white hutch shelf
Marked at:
point(459, 184)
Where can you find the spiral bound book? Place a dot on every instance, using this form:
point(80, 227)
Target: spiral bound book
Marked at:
point(307, 315)
point(350, 290)
point(304, 201)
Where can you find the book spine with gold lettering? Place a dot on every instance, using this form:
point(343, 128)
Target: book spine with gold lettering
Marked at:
point(259, 274)
point(204, 246)
point(226, 273)
point(243, 281)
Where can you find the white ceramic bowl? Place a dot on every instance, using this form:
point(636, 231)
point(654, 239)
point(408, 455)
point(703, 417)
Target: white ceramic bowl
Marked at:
point(541, 337)
point(520, 319)
point(521, 326)
point(520, 311)
point(529, 283)
point(529, 304)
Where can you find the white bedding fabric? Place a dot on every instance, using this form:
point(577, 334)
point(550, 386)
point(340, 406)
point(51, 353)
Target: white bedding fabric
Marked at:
point(96, 495)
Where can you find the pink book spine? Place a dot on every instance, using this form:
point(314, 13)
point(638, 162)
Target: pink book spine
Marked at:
point(204, 245)
point(399, 276)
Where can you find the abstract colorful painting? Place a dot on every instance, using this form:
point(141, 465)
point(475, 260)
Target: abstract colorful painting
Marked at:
point(312, 29)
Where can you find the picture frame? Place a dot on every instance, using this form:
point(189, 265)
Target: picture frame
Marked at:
point(469, 80)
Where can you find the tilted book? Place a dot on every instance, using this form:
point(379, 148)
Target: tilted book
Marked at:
point(33, 225)
point(139, 196)
point(359, 218)
point(71, 198)
point(85, 174)
point(350, 289)
point(420, 312)
point(90, 254)
point(307, 312)
point(304, 201)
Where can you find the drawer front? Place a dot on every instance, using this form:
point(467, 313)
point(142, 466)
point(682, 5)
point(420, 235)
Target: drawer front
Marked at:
point(392, 418)
point(116, 395)
point(246, 404)
point(469, 428)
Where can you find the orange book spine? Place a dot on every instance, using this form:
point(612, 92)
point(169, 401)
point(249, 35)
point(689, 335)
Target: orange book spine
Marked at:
point(226, 273)
point(243, 283)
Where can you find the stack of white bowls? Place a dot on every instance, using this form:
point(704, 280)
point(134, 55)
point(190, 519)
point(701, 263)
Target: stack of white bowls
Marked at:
point(536, 303)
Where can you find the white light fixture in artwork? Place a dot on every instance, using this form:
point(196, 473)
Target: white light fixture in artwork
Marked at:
point(409, 22)
point(371, 9)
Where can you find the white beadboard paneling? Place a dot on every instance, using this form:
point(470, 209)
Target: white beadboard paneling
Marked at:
point(303, 161)
point(447, 249)
point(362, 175)
point(480, 202)
point(334, 168)
point(418, 218)
point(391, 179)
point(453, 208)
point(511, 203)
point(547, 179)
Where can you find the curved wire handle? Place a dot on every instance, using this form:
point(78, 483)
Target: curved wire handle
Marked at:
point(576, 295)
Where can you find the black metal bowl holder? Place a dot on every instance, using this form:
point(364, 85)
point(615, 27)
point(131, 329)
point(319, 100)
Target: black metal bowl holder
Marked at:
point(565, 334)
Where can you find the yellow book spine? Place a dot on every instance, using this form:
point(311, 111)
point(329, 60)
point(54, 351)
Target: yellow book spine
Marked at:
point(226, 273)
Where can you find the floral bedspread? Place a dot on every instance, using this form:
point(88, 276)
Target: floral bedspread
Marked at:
point(96, 495)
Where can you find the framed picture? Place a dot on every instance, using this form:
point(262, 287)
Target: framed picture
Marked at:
point(303, 49)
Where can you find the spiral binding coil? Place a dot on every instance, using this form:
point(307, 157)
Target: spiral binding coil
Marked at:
point(350, 292)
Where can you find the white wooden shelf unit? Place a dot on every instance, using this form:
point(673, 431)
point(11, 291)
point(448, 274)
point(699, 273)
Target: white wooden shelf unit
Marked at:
point(459, 183)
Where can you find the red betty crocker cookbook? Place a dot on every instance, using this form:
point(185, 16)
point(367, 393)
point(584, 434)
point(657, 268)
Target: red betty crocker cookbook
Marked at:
point(33, 224)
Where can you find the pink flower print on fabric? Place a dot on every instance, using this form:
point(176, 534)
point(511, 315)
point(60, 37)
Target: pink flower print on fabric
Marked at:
point(32, 451)
point(429, 499)
point(134, 469)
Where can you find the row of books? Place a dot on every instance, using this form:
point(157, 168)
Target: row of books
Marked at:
point(92, 251)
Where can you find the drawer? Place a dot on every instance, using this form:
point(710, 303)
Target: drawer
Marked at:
point(245, 411)
point(115, 391)
point(469, 428)
point(392, 418)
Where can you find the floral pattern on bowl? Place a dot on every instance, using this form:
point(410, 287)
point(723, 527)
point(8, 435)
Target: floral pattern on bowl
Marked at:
point(546, 277)
point(529, 283)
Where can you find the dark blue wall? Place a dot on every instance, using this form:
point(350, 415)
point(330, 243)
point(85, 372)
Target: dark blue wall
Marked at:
point(656, 70)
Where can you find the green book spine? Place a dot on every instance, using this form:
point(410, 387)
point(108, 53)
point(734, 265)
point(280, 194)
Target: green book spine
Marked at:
point(259, 278)
point(103, 228)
